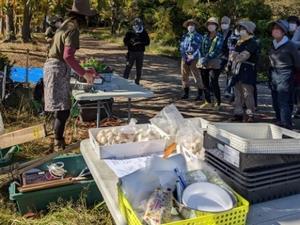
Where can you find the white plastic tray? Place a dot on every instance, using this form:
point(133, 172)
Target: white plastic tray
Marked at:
point(256, 138)
point(127, 150)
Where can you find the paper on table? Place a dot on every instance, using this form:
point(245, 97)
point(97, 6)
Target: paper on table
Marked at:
point(126, 166)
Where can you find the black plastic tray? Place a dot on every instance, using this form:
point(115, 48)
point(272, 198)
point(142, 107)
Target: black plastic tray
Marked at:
point(266, 193)
point(253, 184)
point(254, 162)
point(256, 174)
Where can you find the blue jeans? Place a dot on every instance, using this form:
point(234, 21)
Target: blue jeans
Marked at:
point(282, 95)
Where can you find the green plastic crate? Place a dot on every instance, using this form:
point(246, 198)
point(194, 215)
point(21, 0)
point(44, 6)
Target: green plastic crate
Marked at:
point(39, 200)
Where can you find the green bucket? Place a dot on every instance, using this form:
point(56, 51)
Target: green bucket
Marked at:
point(39, 200)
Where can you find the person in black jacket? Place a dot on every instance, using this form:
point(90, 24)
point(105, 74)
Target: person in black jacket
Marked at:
point(136, 40)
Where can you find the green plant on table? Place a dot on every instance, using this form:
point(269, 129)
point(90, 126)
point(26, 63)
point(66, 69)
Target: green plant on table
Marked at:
point(97, 65)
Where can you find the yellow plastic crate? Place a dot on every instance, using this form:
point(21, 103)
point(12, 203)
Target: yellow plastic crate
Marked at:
point(236, 216)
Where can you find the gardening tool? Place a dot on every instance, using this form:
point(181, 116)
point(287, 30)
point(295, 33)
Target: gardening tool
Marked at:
point(46, 185)
point(19, 168)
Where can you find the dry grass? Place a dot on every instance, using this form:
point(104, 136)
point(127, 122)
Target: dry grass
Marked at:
point(62, 212)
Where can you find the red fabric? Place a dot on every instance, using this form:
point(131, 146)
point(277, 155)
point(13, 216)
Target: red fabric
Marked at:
point(69, 57)
point(297, 78)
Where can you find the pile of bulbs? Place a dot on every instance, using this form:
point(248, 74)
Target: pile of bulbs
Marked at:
point(123, 135)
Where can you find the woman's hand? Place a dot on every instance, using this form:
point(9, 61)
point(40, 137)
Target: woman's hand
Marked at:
point(90, 75)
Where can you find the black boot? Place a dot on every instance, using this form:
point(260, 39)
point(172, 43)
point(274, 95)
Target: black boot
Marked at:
point(186, 93)
point(199, 96)
point(237, 118)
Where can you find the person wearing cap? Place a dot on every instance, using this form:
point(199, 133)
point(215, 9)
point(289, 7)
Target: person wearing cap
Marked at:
point(190, 53)
point(54, 23)
point(244, 60)
point(61, 58)
point(284, 59)
point(210, 62)
point(136, 40)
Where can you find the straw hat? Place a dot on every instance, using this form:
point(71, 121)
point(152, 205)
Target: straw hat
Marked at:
point(83, 7)
point(186, 23)
point(212, 20)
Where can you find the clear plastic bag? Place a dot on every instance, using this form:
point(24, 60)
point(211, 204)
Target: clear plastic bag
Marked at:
point(169, 120)
point(159, 207)
point(1, 125)
point(190, 137)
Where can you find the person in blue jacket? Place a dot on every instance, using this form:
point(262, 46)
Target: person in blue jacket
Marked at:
point(190, 54)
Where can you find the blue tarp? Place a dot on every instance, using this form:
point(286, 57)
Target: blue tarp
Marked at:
point(18, 74)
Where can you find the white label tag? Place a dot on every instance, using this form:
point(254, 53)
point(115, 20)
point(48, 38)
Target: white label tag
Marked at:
point(232, 156)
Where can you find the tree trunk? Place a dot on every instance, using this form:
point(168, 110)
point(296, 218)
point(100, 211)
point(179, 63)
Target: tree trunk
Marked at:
point(27, 15)
point(114, 17)
point(10, 27)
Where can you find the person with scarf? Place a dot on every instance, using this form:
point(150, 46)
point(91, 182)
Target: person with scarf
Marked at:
point(61, 57)
point(284, 59)
point(244, 60)
point(210, 62)
point(136, 40)
point(190, 53)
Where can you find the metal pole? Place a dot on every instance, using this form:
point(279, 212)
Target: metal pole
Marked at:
point(27, 67)
point(129, 109)
point(98, 113)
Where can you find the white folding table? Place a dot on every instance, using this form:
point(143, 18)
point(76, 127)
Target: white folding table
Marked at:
point(117, 88)
point(285, 211)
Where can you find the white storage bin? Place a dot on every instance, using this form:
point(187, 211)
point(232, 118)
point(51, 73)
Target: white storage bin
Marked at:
point(126, 150)
point(256, 138)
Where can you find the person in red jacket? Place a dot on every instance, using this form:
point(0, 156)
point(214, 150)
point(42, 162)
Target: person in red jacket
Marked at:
point(61, 58)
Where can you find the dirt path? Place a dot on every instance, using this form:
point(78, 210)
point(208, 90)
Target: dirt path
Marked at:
point(162, 76)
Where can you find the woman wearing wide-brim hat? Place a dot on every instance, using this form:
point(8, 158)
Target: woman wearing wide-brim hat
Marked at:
point(61, 58)
point(210, 62)
point(191, 22)
point(190, 52)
